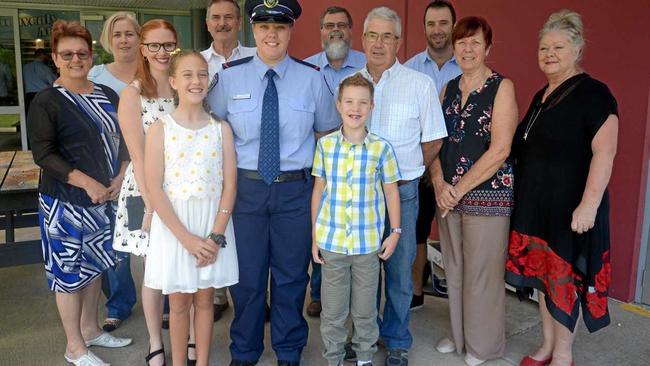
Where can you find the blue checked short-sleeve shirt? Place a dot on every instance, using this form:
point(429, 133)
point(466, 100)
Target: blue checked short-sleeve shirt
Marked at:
point(351, 215)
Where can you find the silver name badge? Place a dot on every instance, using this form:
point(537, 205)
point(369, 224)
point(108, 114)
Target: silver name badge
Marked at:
point(241, 96)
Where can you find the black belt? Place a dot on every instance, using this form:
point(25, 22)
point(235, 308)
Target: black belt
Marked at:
point(289, 176)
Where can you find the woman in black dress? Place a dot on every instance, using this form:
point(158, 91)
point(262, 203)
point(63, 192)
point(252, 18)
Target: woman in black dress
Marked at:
point(564, 151)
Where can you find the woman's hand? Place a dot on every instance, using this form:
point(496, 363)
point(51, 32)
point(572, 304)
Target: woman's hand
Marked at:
point(114, 188)
point(203, 250)
point(583, 218)
point(388, 246)
point(96, 191)
point(315, 254)
point(146, 223)
point(446, 195)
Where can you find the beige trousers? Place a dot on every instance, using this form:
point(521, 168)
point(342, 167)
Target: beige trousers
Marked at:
point(474, 255)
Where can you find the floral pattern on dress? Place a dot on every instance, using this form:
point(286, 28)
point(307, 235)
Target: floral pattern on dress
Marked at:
point(462, 167)
point(470, 133)
point(503, 177)
point(531, 256)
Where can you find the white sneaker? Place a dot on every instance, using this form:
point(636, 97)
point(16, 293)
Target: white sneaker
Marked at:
point(446, 346)
point(89, 359)
point(108, 341)
point(472, 361)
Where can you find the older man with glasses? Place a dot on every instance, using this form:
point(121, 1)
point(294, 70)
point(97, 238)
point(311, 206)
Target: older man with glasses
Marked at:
point(408, 114)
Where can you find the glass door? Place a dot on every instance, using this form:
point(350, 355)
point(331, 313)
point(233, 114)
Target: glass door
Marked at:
point(12, 114)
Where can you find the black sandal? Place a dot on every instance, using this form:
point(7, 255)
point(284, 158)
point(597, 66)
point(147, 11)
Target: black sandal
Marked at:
point(190, 362)
point(155, 353)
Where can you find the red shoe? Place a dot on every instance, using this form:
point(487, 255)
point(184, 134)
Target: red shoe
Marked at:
point(529, 361)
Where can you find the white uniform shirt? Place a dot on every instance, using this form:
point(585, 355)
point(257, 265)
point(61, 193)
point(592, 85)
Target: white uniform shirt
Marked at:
point(215, 60)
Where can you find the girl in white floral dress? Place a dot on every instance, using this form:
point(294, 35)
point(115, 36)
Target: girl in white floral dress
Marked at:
point(190, 174)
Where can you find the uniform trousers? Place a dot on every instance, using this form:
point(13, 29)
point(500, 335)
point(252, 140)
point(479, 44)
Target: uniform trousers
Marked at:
point(474, 252)
point(273, 229)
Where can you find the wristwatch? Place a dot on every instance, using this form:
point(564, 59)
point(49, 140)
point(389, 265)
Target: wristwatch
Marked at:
point(396, 230)
point(218, 239)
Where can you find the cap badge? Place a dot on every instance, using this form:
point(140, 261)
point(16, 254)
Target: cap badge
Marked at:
point(270, 3)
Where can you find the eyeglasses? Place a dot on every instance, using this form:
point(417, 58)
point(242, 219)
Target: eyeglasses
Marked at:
point(155, 46)
point(340, 25)
point(386, 38)
point(68, 55)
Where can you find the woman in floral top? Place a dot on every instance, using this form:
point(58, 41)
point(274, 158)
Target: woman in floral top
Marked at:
point(473, 182)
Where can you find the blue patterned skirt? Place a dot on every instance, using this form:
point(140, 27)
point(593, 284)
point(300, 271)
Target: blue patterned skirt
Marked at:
point(77, 242)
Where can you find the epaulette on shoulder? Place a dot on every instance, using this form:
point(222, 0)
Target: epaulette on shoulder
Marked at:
point(240, 61)
point(306, 63)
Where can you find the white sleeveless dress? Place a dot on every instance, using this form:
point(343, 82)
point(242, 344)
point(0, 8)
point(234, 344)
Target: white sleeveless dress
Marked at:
point(193, 181)
point(135, 241)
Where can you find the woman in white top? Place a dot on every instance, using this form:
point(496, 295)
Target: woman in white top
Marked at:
point(142, 102)
point(120, 37)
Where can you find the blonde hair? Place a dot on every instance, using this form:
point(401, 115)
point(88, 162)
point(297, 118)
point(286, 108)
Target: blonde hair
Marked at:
point(569, 22)
point(107, 31)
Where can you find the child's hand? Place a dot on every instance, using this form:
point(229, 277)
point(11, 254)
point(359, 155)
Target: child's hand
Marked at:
point(202, 250)
point(388, 246)
point(315, 254)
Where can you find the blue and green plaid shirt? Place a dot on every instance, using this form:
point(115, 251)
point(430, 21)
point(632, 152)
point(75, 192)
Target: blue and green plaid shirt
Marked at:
point(352, 210)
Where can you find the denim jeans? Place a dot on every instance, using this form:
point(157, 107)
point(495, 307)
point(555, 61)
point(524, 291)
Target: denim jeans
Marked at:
point(118, 286)
point(315, 281)
point(398, 287)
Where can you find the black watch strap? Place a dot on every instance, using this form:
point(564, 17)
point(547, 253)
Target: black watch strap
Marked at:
point(219, 239)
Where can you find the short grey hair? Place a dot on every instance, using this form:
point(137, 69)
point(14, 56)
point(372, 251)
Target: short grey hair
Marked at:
point(384, 13)
point(569, 22)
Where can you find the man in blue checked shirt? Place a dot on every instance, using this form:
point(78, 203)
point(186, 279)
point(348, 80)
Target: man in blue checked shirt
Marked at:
point(274, 104)
point(336, 61)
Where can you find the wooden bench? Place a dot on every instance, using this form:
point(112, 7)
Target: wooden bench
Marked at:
point(19, 179)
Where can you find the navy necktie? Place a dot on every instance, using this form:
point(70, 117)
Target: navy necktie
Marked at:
point(268, 163)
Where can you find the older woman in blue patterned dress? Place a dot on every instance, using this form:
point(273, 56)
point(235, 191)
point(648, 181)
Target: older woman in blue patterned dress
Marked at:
point(76, 139)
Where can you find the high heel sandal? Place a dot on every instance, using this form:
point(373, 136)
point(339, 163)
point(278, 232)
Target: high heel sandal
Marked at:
point(189, 361)
point(155, 353)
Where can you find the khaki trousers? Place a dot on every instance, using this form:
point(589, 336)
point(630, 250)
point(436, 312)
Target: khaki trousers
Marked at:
point(349, 287)
point(474, 252)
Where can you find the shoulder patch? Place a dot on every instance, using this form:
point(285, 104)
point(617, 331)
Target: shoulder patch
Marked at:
point(302, 62)
point(240, 61)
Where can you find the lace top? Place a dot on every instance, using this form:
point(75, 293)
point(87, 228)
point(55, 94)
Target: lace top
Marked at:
point(193, 160)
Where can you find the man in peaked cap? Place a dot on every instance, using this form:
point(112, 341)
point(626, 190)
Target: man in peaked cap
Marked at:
point(275, 105)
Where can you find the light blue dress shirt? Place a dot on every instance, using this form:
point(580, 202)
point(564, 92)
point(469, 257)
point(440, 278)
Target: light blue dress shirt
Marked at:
point(424, 64)
point(37, 76)
point(353, 62)
point(304, 104)
point(99, 74)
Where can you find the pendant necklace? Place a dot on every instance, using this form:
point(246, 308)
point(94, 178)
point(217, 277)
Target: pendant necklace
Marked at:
point(530, 124)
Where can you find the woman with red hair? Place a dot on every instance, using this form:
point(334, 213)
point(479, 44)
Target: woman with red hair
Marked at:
point(76, 139)
point(145, 100)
